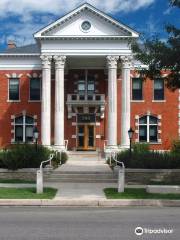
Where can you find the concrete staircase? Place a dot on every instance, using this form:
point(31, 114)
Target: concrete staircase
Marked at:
point(82, 167)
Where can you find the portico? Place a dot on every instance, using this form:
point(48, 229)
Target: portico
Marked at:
point(59, 61)
point(88, 40)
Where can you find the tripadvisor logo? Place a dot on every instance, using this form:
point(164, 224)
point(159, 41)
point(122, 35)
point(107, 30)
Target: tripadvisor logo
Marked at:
point(140, 231)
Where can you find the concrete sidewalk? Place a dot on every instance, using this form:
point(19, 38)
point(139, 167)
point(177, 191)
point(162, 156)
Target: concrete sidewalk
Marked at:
point(83, 195)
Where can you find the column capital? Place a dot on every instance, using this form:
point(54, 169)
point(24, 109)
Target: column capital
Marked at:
point(126, 61)
point(59, 61)
point(112, 61)
point(46, 61)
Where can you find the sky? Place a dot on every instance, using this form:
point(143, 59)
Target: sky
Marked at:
point(19, 19)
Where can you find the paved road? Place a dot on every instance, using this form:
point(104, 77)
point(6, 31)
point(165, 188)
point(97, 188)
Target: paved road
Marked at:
point(86, 223)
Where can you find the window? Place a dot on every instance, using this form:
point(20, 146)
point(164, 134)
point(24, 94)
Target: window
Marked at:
point(24, 126)
point(159, 89)
point(148, 126)
point(91, 87)
point(81, 87)
point(35, 89)
point(86, 84)
point(14, 89)
point(137, 89)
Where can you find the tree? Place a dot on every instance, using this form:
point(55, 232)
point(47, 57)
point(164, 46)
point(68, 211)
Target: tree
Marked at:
point(158, 55)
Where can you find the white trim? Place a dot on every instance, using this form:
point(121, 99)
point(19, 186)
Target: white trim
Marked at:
point(98, 136)
point(138, 101)
point(159, 101)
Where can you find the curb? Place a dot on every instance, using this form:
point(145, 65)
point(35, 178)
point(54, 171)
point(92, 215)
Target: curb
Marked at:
point(89, 203)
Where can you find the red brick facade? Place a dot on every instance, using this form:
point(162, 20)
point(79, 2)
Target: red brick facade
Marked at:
point(167, 110)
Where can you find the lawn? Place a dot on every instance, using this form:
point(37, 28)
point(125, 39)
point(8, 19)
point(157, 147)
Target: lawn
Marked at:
point(137, 193)
point(26, 193)
point(16, 181)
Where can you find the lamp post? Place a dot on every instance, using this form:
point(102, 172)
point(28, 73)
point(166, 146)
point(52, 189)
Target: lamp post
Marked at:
point(36, 135)
point(130, 133)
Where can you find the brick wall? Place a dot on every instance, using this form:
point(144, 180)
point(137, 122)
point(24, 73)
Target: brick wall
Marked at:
point(168, 110)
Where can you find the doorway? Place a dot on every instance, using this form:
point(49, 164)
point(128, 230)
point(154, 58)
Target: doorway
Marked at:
point(86, 137)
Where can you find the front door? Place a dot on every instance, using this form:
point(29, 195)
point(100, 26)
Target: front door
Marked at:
point(86, 140)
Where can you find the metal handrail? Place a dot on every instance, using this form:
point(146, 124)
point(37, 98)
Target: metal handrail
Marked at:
point(66, 144)
point(46, 161)
point(114, 155)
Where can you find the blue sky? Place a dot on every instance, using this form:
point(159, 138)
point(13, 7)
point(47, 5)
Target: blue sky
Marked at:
point(20, 19)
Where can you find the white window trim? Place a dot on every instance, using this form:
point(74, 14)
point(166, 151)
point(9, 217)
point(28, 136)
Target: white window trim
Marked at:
point(162, 100)
point(142, 100)
point(10, 100)
point(24, 127)
point(148, 127)
point(40, 89)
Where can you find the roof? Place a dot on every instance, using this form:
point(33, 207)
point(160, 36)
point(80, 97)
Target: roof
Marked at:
point(27, 49)
point(86, 6)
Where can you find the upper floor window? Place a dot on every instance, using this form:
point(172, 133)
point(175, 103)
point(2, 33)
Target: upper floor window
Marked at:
point(24, 126)
point(148, 129)
point(86, 84)
point(159, 89)
point(14, 89)
point(81, 87)
point(35, 89)
point(137, 89)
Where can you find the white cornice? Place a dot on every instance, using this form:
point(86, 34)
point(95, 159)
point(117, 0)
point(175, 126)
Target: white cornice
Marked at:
point(102, 37)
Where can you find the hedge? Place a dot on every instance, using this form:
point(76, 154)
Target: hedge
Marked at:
point(26, 156)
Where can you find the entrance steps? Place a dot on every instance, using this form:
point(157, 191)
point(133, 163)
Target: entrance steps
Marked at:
point(82, 167)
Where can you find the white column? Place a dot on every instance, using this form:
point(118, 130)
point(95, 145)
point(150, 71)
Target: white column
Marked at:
point(112, 101)
point(46, 101)
point(59, 101)
point(126, 101)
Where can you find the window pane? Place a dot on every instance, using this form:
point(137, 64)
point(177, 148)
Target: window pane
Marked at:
point(13, 89)
point(19, 133)
point(29, 120)
point(152, 120)
point(35, 89)
point(153, 133)
point(136, 89)
point(143, 120)
point(158, 89)
point(143, 133)
point(91, 87)
point(81, 86)
point(29, 133)
point(19, 120)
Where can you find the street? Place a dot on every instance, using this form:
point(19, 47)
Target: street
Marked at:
point(34, 223)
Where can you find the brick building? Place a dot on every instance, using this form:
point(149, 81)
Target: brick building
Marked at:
point(78, 83)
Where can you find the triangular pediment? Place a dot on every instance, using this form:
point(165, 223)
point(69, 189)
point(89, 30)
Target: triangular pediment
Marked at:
point(86, 21)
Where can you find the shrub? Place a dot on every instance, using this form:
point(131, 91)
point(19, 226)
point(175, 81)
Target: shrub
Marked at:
point(149, 159)
point(24, 156)
point(141, 148)
point(176, 147)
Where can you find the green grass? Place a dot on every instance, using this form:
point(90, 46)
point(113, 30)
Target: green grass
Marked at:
point(16, 181)
point(137, 193)
point(26, 193)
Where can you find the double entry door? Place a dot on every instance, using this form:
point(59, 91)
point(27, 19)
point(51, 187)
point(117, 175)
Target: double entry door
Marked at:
point(86, 137)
